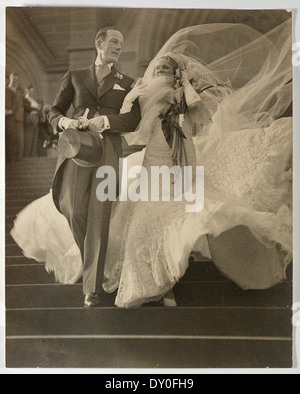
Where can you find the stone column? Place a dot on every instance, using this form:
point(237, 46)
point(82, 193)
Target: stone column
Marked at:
point(83, 29)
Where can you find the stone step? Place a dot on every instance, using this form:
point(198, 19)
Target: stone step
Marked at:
point(13, 211)
point(26, 195)
point(8, 228)
point(29, 176)
point(23, 271)
point(148, 352)
point(30, 273)
point(31, 160)
point(31, 164)
point(21, 183)
point(20, 270)
point(228, 294)
point(15, 265)
point(12, 250)
point(38, 171)
point(9, 219)
point(189, 294)
point(13, 203)
point(17, 189)
point(246, 322)
point(34, 167)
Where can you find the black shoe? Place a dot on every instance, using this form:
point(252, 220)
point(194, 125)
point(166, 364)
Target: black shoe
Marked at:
point(91, 300)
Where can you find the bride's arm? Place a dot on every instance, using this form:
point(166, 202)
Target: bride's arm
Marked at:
point(197, 110)
point(192, 98)
point(138, 90)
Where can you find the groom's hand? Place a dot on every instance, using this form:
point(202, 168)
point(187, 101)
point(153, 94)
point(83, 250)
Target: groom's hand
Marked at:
point(67, 123)
point(96, 124)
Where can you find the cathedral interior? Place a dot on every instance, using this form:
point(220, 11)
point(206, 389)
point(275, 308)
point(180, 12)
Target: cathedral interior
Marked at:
point(42, 43)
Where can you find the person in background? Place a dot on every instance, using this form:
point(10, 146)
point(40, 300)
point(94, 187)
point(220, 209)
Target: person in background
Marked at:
point(14, 117)
point(10, 122)
point(31, 123)
point(48, 135)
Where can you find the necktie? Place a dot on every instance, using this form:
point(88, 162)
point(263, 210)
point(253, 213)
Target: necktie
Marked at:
point(101, 73)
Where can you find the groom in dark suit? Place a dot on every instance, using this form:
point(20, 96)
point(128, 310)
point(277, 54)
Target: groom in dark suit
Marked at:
point(101, 89)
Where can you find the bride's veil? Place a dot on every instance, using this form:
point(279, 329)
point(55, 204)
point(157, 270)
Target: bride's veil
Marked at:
point(258, 69)
point(257, 66)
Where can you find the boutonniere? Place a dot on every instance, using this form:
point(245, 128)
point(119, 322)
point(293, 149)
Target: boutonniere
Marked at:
point(119, 76)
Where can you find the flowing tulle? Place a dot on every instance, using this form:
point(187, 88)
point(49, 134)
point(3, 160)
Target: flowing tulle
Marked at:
point(44, 235)
point(257, 65)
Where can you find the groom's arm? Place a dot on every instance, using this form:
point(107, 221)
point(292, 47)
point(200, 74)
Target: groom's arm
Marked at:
point(123, 123)
point(62, 102)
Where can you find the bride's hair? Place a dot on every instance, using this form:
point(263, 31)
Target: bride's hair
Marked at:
point(171, 61)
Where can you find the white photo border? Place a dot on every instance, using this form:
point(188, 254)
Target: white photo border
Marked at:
point(292, 5)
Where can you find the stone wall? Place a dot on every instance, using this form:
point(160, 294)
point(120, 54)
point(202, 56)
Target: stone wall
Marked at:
point(44, 42)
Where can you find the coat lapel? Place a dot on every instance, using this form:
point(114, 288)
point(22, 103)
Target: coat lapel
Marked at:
point(89, 79)
point(109, 82)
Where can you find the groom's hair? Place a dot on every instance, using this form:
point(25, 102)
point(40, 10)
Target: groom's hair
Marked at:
point(101, 35)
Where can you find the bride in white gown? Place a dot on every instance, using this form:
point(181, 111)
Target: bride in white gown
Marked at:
point(245, 147)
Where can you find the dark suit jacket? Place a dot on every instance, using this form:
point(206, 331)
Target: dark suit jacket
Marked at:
point(10, 101)
point(79, 89)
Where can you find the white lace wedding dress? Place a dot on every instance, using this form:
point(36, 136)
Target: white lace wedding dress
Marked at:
point(247, 182)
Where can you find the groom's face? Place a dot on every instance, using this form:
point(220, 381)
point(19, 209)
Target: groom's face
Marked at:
point(111, 47)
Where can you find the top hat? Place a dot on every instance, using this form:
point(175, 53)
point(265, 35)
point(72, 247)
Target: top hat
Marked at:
point(85, 148)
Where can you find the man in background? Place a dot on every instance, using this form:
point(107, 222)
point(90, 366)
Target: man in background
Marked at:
point(31, 126)
point(14, 119)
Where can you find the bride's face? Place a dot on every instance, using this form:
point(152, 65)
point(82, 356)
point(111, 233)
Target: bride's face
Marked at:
point(163, 67)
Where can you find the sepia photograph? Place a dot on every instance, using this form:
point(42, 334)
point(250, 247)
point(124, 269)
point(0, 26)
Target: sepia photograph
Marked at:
point(148, 188)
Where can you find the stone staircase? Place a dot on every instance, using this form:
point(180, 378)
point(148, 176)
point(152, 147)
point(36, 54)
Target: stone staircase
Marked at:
point(216, 325)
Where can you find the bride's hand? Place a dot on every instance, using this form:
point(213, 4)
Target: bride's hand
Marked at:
point(139, 90)
point(184, 78)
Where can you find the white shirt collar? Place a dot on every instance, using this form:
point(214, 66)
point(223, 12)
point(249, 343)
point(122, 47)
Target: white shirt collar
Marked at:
point(13, 88)
point(98, 63)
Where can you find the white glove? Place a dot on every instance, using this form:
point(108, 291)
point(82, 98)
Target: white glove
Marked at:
point(184, 78)
point(139, 90)
point(191, 95)
point(67, 123)
point(95, 124)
